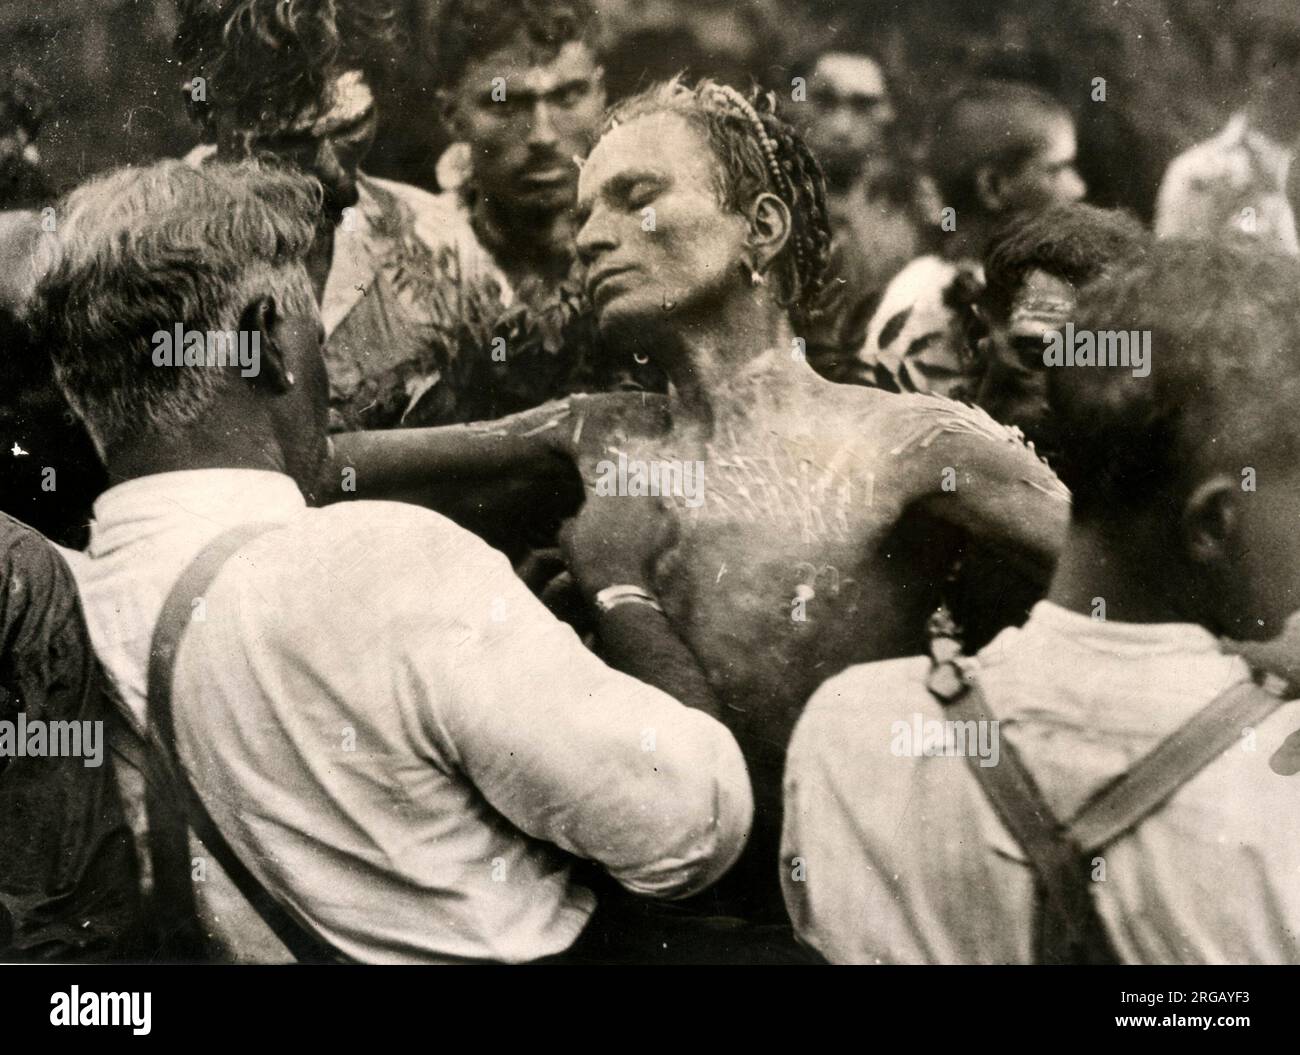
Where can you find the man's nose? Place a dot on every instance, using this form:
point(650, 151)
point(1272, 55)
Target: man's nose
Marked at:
point(843, 123)
point(541, 130)
point(594, 238)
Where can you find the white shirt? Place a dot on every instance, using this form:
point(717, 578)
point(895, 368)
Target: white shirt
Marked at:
point(393, 733)
point(904, 861)
point(1235, 180)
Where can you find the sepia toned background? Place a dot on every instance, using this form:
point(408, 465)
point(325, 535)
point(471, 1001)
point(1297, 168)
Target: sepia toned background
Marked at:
point(1172, 69)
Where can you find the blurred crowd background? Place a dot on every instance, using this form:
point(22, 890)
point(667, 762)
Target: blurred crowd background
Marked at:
point(103, 74)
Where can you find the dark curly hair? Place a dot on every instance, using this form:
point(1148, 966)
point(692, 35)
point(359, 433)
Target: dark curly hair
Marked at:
point(470, 29)
point(1075, 242)
point(267, 62)
point(726, 119)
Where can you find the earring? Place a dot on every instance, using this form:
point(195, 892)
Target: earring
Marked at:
point(757, 278)
point(640, 359)
point(289, 378)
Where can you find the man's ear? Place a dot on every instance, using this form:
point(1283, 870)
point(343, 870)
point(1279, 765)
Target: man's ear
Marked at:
point(262, 316)
point(990, 188)
point(448, 101)
point(770, 225)
point(1212, 521)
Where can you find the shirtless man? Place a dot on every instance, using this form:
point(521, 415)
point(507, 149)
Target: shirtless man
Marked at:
point(830, 514)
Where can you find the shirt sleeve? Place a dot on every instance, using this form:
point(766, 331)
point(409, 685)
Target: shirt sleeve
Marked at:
point(572, 752)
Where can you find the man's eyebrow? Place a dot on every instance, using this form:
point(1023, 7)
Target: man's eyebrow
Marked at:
point(618, 186)
point(569, 85)
point(623, 182)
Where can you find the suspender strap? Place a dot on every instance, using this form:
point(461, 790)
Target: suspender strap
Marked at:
point(1067, 927)
point(1149, 782)
point(168, 820)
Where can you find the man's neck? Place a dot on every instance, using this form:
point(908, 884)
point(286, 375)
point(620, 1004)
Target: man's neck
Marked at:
point(1093, 567)
point(233, 449)
point(703, 353)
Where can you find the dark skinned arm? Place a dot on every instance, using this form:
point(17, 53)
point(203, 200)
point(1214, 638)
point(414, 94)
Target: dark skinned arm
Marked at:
point(502, 480)
point(614, 541)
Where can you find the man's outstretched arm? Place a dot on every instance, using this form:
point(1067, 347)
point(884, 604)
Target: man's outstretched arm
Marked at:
point(491, 478)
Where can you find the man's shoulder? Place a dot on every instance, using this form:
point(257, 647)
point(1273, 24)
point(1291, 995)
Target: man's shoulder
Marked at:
point(29, 558)
point(1222, 157)
point(916, 419)
point(365, 546)
point(386, 524)
point(39, 600)
point(423, 202)
point(845, 717)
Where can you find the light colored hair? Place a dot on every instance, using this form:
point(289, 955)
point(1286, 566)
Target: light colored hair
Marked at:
point(140, 250)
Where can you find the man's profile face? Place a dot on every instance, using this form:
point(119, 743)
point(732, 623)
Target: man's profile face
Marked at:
point(848, 114)
point(526, 117)
point(329, 142)
point(1014, 386)
point(654, 237)
point(1049, 177)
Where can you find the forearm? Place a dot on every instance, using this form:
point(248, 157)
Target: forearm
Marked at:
point(438, 462)
point(510, 490)
point(641, 642)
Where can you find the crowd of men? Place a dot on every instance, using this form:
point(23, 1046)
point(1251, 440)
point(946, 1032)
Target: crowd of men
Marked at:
point(673, 541)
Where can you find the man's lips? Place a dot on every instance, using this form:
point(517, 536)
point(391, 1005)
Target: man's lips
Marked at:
point(597, 281)
point(547, 177)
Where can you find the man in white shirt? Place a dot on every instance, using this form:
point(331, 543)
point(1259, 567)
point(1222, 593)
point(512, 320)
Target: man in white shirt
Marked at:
point(1237, 179)
point(1186, 493)
point(392, 734)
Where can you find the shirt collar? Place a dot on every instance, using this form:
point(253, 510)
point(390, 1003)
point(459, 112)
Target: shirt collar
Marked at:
point(204, 501)
point(1122, 639)
point(1115, 678)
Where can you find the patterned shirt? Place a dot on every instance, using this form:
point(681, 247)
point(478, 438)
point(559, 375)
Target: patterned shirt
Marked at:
point(917, 339)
